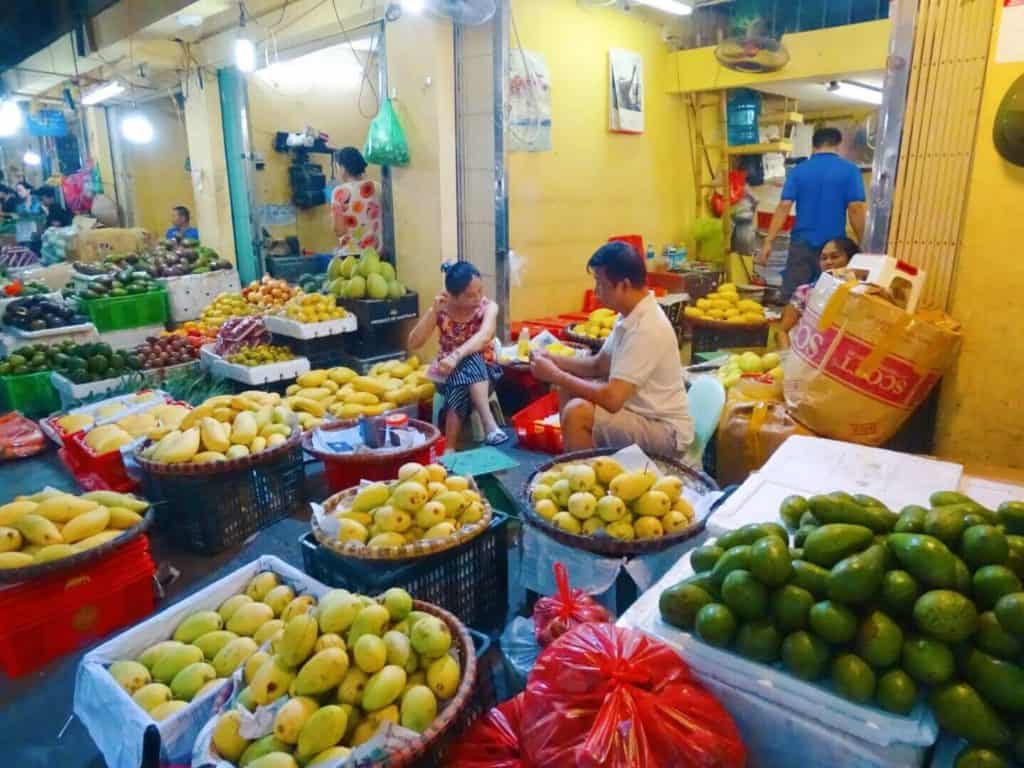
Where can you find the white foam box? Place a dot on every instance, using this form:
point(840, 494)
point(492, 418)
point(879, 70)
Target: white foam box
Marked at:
point(71, 393)
point(130, 338)
point(114, 721)
point(285, 326)
point(79, 334)
point(252, 374)
point(785, 721)
point(189, 295)
point(812, 465)
point(55, 296)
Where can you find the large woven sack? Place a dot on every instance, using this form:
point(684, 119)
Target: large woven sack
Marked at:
point(749, 432)
point(860, 365)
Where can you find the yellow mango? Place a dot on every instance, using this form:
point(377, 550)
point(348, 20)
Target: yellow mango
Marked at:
point(38, 530)
point(95, 540)
point(10, 539)
point(214, 435)
point(122, 518)
point(61, 509)
point(86, 525)
point(341, 375)
point(208, 457)
point(313, 407)
point(368, 384)
point(224, 414)
point(15, 560)
point(244, 429)
point(292, 389)
point(259, 443)
point(314, 393)
point(312, 378)
point(15, 509)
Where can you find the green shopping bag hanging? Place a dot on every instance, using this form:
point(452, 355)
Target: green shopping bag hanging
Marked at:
point(385, 142)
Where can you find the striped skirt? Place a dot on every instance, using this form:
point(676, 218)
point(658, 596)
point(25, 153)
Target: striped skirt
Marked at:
point(455, 389)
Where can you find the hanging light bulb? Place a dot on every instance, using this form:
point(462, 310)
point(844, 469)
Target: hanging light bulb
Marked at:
point(413, 6)
point(137, 129)
point(10, 117)
point(245, 54)
point(31, 158)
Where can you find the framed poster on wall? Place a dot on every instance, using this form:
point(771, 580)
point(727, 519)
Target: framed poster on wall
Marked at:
point(626, 85)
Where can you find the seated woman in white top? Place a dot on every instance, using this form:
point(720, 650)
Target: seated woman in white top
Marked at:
point(631, 391)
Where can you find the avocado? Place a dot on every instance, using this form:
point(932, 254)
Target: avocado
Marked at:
point(1010, 612)
point(679, 604)
point(946, 615)
point(745, 596)
point(734, 559)
point(984, 545)
point(769, 561)
point(796, 553)
point(879, 640)
point(802, 533)
point(1011, 515)
point(994, 640)
point(789, 607)
point(899, 592)
point(856, 579)
point(1015, 558)
point(981, 757)
point(928, 661)
point(832, 622)
point(896, 692)
point(759, 640)
point(827, 545)
point(715, 624)
point(829, 509)
point(750, 533)
point(1000, 682)
point(991, 582)
point(853, 678)
point(963, 712)
point(808, 518)
point(703, 580)
point(811, 577)
point(792, 509)
point(703, 559)
point(805, 655)
point(962, 581)
point(948, 498)
point(926, 558)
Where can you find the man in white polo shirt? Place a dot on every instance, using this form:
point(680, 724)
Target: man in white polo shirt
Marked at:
point(632, 390)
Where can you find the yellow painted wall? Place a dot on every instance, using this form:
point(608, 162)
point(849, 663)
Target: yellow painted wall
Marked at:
point(594, 184)
point(820, 54)
point(322, 90)
point(981, 416)
point(156, 171)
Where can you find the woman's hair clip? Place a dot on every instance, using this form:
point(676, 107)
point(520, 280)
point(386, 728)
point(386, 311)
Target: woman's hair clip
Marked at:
point(445, 266)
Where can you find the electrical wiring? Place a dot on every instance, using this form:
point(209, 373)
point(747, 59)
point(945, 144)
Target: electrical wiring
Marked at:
point(532, 104)
point(365, 68)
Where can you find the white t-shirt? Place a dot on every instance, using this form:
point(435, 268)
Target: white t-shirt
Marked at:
point(644, 352)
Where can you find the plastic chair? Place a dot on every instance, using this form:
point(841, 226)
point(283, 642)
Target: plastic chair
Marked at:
point(707, 400)
point(474, 425)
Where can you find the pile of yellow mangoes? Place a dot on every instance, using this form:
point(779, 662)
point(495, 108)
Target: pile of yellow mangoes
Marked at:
point(153, 423)
point(599, 497)
point(599, 324)
point(345, 394)
point(313, 308)
point(75, 422)
point(749, 362)
point(343, 665)
point(725, 305)
point(226, 427)
point(423, 503)
point(51, 524)
point(226, 306)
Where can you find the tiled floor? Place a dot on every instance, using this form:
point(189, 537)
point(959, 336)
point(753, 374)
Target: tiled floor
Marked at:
point(34, 709)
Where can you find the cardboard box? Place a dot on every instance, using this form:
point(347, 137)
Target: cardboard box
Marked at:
point(95, 244)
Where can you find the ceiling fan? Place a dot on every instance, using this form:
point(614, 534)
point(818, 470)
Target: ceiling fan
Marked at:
point(749, 47)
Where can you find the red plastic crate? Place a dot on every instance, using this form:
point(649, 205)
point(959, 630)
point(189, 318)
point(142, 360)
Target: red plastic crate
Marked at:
point(533, 435)
point(95, 472)
point(344, 474)
point(590, 302)
point(53, 616)
point(554, 325)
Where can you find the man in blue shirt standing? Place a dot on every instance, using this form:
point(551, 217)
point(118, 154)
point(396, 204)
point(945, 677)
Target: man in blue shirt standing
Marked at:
point(826, 189)
point(180, 225)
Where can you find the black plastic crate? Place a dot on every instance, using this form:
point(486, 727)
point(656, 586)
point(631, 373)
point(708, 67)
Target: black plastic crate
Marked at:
point(207, 513)
point(470, 580)
point(710, 338)
point(290, 268)
point(324, 352)
point(375, 312)
point(362, 364)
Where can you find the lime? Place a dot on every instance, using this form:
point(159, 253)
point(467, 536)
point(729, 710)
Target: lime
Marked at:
point(928, 661)
point(896, 692)
point(790, 605)
point(833, 622)
point(715, 624)
point(853, 678)
point(805, 655)
point(703, 559)
point(759, 640)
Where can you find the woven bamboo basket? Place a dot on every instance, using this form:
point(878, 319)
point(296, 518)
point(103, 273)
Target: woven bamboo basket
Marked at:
point(606, 545)
point(519, 365)
point(417, 549)
point(217, 467)
point(32, 572)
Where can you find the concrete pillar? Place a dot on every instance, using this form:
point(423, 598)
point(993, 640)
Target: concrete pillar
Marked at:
point(205, 134)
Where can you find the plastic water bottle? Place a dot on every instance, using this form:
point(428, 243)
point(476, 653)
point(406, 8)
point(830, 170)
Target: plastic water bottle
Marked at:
point(651, 255)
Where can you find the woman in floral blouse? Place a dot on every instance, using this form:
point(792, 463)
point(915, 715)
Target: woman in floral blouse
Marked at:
point(836, 254)
point(355, 205)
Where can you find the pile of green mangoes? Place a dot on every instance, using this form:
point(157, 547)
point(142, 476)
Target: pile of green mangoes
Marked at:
point(885, 605)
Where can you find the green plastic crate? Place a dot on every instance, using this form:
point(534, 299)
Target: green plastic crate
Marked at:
point(31, 393)
point(116, 313)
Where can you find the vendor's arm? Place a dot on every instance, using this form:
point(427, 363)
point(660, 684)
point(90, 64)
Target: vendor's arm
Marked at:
point(480, 340)
point(589, 367)
point(610, 395)
point(790, 317)
point(858, 212)
point(424, 328)
point(779, 219)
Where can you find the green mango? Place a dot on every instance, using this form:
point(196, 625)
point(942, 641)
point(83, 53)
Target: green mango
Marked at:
point(926, 558)
point(827, 545)
point(960, 709)
point(734, 559)
point(1000, 682)
point(829, 510)
point(811, 577)
point(856, 579)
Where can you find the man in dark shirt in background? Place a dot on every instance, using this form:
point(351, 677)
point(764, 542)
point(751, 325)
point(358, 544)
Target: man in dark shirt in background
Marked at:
point(826, 189)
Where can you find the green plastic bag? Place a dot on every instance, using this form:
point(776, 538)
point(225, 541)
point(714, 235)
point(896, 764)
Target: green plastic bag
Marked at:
point(385, 143)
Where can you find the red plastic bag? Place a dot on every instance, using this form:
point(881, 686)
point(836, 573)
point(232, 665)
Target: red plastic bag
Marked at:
point(493, 741)
point(737, 184)
point(605, 696)
point(20, 437)
point(556, 615)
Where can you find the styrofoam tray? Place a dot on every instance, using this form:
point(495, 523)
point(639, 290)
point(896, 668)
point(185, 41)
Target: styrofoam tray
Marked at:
point(54, 335)
point(114, 721)
point(55, 296)
point(253, 375)
point(129, 338)
point(285, 326)
point(188, 295)
point(70, 392)
point(786, 693)
point(49, 425)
